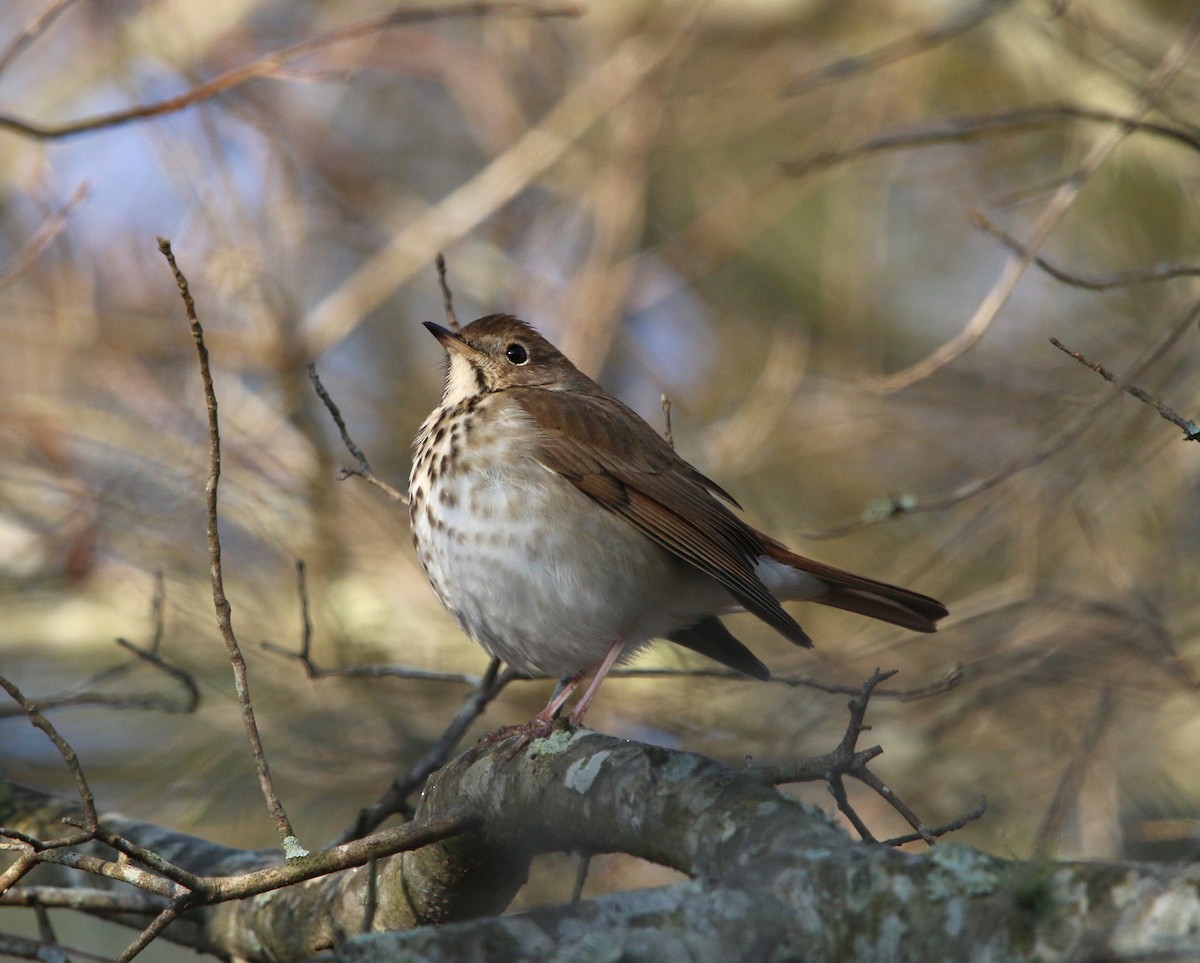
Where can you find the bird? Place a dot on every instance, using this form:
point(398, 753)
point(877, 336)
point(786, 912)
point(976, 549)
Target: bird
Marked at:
point(564, 534)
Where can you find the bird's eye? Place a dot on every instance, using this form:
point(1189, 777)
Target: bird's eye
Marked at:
point(516, 353)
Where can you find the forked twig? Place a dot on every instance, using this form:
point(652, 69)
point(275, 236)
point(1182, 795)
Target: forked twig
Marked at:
point(848, 760)
point(363, 470)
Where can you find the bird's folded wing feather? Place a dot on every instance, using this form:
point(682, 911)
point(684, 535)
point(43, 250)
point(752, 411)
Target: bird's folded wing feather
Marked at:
point(616, 459)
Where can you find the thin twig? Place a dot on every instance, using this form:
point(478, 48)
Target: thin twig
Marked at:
point(955, 25)
point(668, 435)
point(1071, 781)
point(848, 760)
point(1190, 430)
point(1095, 282)
point(43, 237)
point(1172, 62)
point(1035, 456)
point(394, 799)
point(946, 828)
point(447, 297)
point(39, 721)
point(272, 64)
point(151, 932)
point(32, 30)
point(363, 470)
point(958, 130)
point(283, 826)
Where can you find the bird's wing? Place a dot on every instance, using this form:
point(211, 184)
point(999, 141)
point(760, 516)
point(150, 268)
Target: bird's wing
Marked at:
point(611, 455)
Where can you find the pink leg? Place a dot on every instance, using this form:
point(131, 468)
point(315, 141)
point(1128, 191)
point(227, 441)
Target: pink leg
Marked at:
point(535, 728)
point(560, 697)
point(610, 659)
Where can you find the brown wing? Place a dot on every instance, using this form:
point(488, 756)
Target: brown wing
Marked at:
point(611, 455)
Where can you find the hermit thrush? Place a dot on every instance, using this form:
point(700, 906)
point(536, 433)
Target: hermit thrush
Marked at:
point(564, 534)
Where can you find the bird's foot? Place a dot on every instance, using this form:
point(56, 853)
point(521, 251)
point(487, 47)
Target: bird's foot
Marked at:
point(527, 732)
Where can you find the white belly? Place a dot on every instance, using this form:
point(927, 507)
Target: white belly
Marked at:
point(543, 577)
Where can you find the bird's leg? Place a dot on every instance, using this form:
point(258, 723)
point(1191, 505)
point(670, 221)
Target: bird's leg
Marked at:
point(581, 707)
point(566, 685)
point(543, 723)
point(535, 728)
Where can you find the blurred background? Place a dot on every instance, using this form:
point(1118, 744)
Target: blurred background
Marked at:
point(788, 217)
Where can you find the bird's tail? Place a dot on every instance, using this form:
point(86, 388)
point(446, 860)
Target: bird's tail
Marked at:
point(855, 593)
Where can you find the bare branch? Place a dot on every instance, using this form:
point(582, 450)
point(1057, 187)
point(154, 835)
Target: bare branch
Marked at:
point(224, 610)
point(363, 470)
point(1035, 456)
point(1190, 431)
point(394, 800)
point(271, 66)
point(32, 30)
point(39, 721)
point(1094, 282)
point(955, 25)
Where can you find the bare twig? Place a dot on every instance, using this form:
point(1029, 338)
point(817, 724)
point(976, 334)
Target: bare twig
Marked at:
point(1048, 218)
point(447, 297)
point(224, 610)
point(394, 799)
point(363, 470)
point(1095, 282)
point(167, 916)
point(949, 681)
point(1190, 431)
point(848, 760)
point(39, 721)
point(957, 130)
point(272, 64)
point(1035, 456)
point(937, 832)
point(25, 948)
point(32, 30)
point(666, 410)
point(955, 25)
point(1073, 775)
point(43, 237)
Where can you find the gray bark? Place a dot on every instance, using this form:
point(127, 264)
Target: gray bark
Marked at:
point(771, 879)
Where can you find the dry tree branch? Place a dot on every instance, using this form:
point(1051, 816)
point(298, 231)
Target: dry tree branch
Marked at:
point(947, 682)
point(1168, 68)
point(85, 694)
point(32, 30)
point(1190, 431)
point(538, 149)
point(848, 760)
point(955, 25)
point(43, 237)
point(283, 826)
point(315, 671)
point(1093, 282)
point(39, 721)
point(395, 799)
point(363, 470)
point(962, 130)
point(1073, 775)
point(27, 948)
point(883, 510)
point(272, 64)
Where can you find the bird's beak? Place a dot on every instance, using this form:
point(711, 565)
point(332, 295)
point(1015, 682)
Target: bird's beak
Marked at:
point(452, 341)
